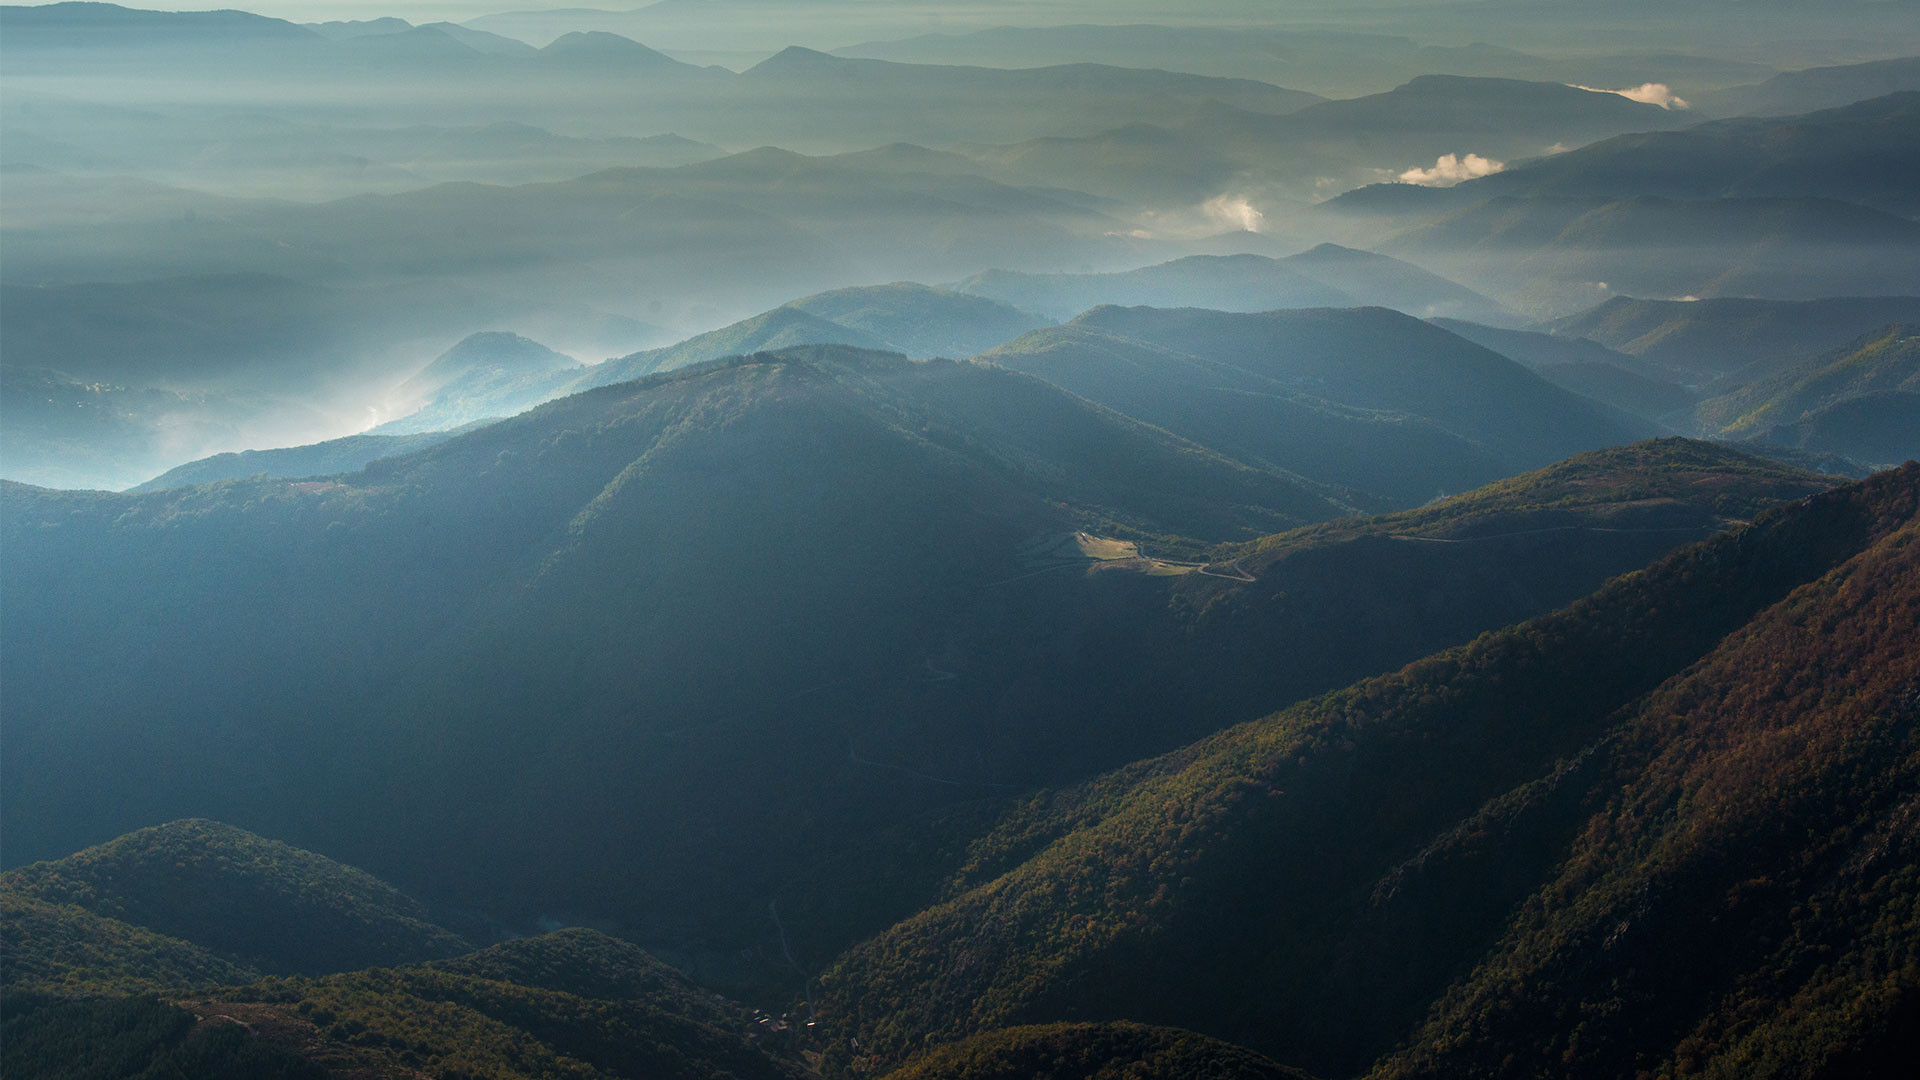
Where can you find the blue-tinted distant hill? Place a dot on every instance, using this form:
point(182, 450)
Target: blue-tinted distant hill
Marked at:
point(1816, 88)
point(348, 454)
point(1733, 337)
point(1554, 256)
point(592, 78)
point(1373, 359)
point(1335, 62)
point(1326, 276)
point(80, 27)
point(1587, 368)
point(1863, 153)
point(1215, 148)
point(903, 317)
point(485, 376)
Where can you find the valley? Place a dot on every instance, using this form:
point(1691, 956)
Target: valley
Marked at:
point(830, 540)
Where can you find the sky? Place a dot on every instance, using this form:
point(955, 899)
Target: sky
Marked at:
point(970, 13)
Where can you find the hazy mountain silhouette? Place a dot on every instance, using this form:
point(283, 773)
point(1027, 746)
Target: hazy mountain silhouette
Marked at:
point(1327, 276)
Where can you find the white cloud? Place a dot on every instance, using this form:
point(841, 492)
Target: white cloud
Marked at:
point(1652, 93)
point(1450, 169)
point(1233, 212)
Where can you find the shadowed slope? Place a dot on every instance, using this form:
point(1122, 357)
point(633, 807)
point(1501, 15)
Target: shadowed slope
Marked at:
point(1312, 882)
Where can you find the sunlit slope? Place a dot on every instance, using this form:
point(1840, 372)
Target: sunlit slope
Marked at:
point(1876, 428)
point(1313, 883)
point(1885, 362)
point(1736, 339)
point(1737, 896)
point(1306, 611)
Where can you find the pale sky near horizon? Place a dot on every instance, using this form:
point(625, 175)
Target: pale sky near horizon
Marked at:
point(414, 11)
point(419, 11)
point(973, 12)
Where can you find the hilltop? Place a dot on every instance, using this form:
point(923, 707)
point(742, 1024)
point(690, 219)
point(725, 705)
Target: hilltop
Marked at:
point(1326, 276)
point(1857, 153)
point(565, 1004)
point(261, 902)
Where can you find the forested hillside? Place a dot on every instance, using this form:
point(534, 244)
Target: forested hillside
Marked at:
point(1316, 882)
point(958, 540)
point(853, 629)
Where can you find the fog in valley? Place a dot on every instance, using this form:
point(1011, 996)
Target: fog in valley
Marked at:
point(227, 231)
point(977, 540)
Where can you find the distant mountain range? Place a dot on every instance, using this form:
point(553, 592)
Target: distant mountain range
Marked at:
point(986, 311)
point(1795, 207)
point(799, 98)
point(750, 230)
point(1326, 276)
point(1817, 88)
point(1550, 256)
point(207, 149)
point(1367, 399)
point(1328, 147)
point(105, 385)
point(1857, 153)
point(1338, 63)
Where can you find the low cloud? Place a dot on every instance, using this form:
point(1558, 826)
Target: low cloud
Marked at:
point(1234, 212)
point(1652, 93)
point(1450, 169)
